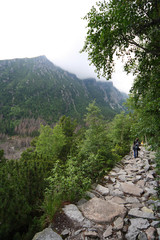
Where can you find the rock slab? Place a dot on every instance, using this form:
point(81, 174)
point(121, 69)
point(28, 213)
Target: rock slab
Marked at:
point(47, 234)
point(130, 188)
point(73, 213)
point(135, 212)
point(101, 211)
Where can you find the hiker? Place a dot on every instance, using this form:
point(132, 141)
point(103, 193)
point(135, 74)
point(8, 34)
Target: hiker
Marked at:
point(136, 147)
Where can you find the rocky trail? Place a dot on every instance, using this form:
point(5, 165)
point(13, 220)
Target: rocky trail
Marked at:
point(124, 206)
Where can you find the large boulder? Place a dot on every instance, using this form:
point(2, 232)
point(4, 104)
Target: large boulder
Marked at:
point(47, 234)
point(101, 211)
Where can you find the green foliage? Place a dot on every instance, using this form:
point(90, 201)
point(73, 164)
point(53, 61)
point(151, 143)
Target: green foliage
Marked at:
point(68, 127)
point(50, 206)
point(60, 166)
point(22, 191)
point(1, 154)
point(120, 133)
point(50, 142)
point(92, 157)
point(145, 122)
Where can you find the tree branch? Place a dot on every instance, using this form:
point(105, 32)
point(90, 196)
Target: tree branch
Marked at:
point(139, 46)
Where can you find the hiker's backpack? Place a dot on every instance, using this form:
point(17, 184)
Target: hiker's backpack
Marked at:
point(136, 145)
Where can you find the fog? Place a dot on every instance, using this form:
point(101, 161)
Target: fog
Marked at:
point(53, 28)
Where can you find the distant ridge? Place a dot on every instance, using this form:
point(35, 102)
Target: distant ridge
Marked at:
point(34, 88)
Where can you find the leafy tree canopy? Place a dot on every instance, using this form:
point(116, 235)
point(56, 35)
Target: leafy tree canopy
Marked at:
point(123, 28)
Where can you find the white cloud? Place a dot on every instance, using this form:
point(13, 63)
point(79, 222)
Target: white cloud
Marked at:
point(53, 28)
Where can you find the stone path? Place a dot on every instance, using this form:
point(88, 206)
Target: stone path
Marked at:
point(124, 206)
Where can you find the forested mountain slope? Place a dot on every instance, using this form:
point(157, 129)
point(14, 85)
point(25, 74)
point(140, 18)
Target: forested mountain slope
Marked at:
point(34, 90)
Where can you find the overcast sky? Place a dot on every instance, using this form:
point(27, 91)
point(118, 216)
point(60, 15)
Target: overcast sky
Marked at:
point(54, 28)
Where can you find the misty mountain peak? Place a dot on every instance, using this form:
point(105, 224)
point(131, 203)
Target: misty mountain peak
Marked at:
point(35, 88)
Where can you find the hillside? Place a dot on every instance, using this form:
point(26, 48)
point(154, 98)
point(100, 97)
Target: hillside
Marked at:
point(34, 90)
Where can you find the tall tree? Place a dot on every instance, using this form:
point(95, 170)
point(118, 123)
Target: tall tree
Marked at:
point(50, 142)
point(131, 29)
point(120, 133)
point(123, 28)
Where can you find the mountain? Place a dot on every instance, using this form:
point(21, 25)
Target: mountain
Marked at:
point(34, 90)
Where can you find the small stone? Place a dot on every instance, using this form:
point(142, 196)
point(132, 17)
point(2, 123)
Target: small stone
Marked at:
point(73, 213)
point(141, 183)
point(116, 169)
point(143, 199)
point(102, 190)
point(117, 186)
point(108, 232)
point(118, 223)
point(91, 234)
point(158, 231)
point(132, 200)
point(150, 233)
point(86, 223)
point(147, 167)
point(113, 173)
point(126, 221)
point(122, 178)
point(138, 177)
point(106, 178)
point(93, 230)
point(125, 229)
point(101, 227)
point(118, 200)
point(142, 236)
point(147, 210)
point(117, 192)
point(110, 187)
point(119, 235)
point(140, 223)
point(135, 212)
point(155, 224)
point(81, 201)
point(122, 172)
point(65, 233)
point(134, 205)
point(94, 185)
point(158, 215)
point(78, 232)
point(149, 176)
point(155, 203)
point(112, 179)
point(152, 172)
point(154, 183)
point(146, 195)
point(151, 191)
point(132, 233)
point(108, 198)
point(90, 195)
